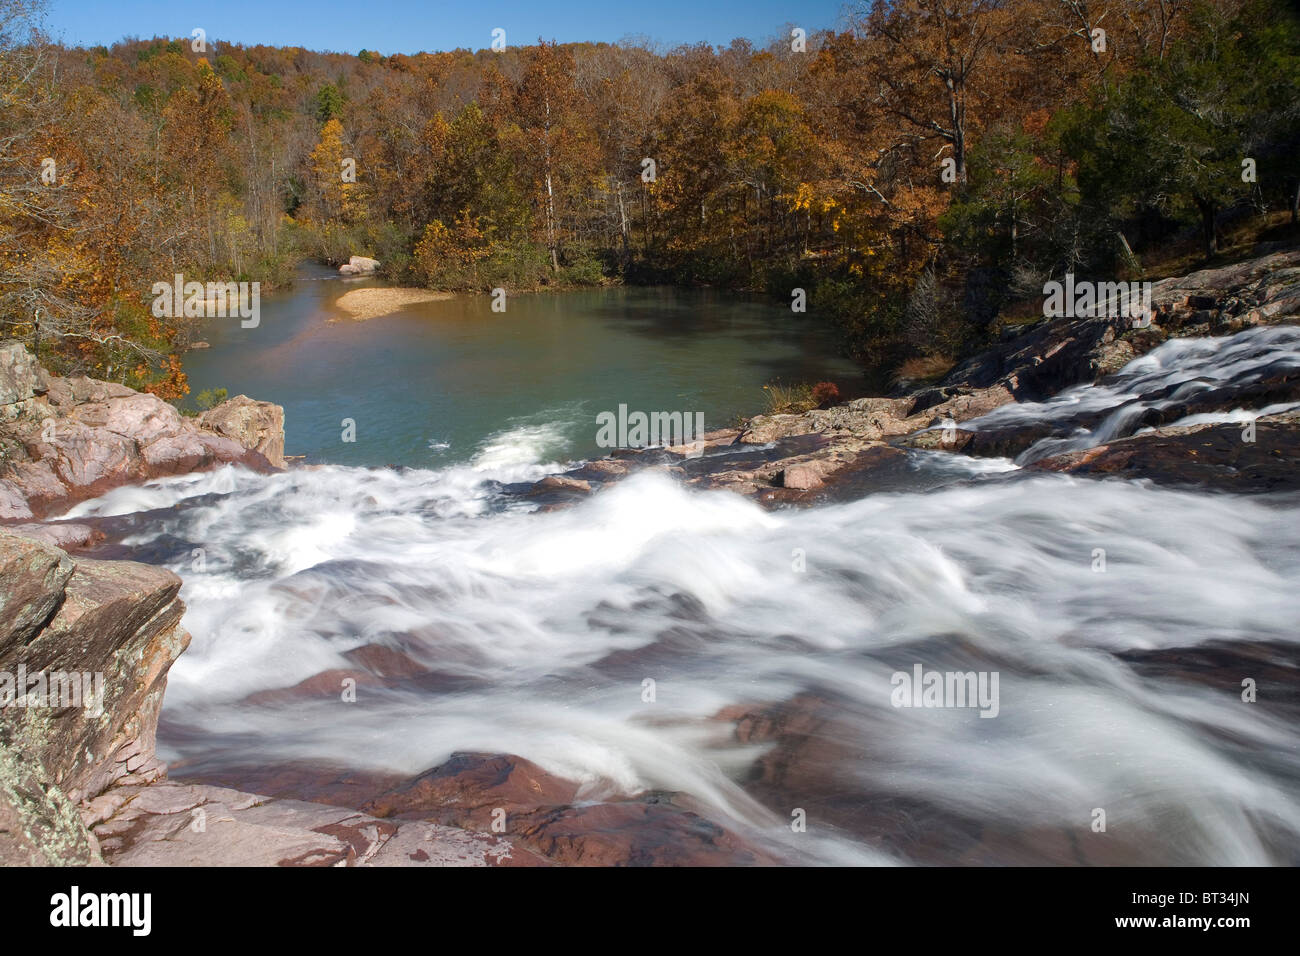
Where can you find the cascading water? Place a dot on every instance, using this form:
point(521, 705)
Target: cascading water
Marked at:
point(1173, 373)
point(1083, 597)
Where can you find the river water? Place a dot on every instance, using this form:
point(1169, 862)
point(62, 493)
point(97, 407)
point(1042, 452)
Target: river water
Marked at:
point(447, 382)
point(1120, 620)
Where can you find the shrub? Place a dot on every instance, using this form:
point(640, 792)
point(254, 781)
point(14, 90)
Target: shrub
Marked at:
point(825, 394)
point(787, 399)
point(210, 398)
point(922, 370)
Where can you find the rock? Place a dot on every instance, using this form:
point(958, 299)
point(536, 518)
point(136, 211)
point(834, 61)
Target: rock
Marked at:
point(39, 825)
point(719, 438)
point(1204, 456)
point(31, 487)
point(940, 439)
point(562, 483)
point(650, 832)
point(384, 661)
point(474, 785)
point(692, 449)
point(32, 579)
point(963, 406)
point(558, 820)
point(117, 623)
point(326, 684)
point(429, 844)
point(603, 468)
point(173, 824)
point(801, 477)
point(76, 438)
point(253, 424)
point(763, 429)
point(181, 454)
point(61, 534)
point(867, 419)
point(18, 374)
point(359, 265)
point(138, 417)
point(91, 642)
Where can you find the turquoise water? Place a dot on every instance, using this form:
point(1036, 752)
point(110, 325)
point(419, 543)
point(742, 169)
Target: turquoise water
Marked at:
point(451, 382)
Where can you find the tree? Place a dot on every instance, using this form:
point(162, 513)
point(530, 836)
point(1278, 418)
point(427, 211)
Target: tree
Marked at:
point(1173, 136)
point(939, 65)
point(545, 105)
point(337, 197)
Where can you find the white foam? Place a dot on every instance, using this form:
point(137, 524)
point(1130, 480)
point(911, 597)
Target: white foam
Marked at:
point(530, 607)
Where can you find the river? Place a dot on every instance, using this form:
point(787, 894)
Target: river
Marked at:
point(1119, 732)
point(447, 382)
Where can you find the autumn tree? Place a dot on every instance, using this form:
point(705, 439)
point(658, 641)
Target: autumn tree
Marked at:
point(334, 177)
point(546, 110)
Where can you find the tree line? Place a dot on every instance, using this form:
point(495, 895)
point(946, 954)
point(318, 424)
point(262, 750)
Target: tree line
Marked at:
point(915, 172)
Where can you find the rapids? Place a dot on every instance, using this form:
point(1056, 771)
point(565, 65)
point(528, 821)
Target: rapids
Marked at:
point(1174, 372)
point(1086, 597)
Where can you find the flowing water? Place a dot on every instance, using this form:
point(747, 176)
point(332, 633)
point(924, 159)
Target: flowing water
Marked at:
point(1176, 372)
point(1120, 620)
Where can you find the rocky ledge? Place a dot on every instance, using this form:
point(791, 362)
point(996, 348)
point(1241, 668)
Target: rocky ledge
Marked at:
point(85, 647)
point(1201, 456)
point(64, 440)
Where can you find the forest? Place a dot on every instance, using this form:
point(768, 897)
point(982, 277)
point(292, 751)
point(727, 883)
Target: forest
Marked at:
point(919, 173)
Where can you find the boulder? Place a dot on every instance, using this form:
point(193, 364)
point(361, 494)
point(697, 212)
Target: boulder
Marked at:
point(117, 622)
point(84, 651)
point(253, 424)
point(18, 374)
point(802, 477)
point(75, 438)
point(359, 265)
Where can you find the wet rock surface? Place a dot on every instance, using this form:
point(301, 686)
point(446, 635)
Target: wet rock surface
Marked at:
point(174, 824)
point(543, 818)
point(1201, 456)
point(550, 816)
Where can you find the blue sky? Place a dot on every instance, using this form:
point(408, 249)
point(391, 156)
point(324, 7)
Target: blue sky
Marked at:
point(409, 26)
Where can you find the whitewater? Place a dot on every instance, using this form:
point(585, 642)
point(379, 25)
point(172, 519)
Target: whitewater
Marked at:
point(543, 626)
